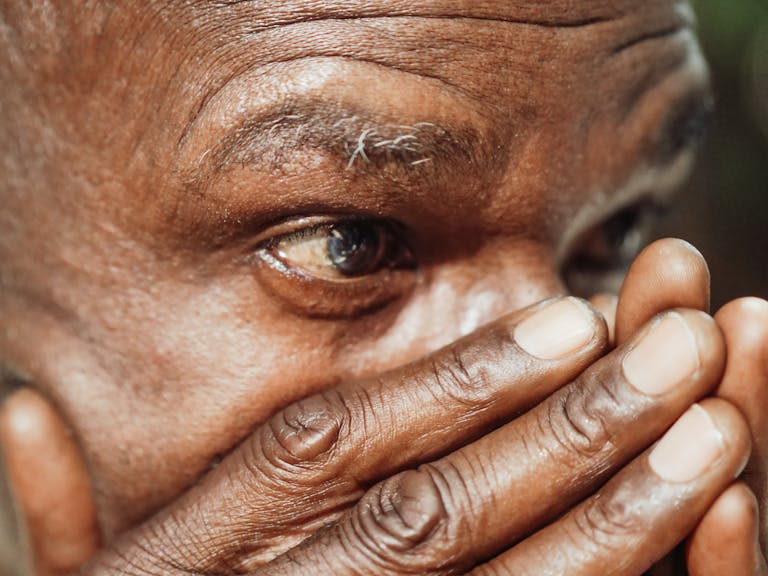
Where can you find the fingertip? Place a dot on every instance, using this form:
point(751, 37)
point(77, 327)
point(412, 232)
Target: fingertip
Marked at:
point(606, 305)
point(749, 303)
point(600, 321)
point(737, 508)
point(697, 343)
point(733, 516)
point(560, 329)
point(24, 415)
point(49, 482)
point(734, 429)
point(681, 258)
point(709, 339)
point(745, 323)
point(670, 273)
point(726, 539)
point(676, 245)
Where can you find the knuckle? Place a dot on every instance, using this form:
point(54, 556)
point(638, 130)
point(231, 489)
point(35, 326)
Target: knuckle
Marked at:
point(462, 372)
point(403, 525)
point(583, 417)
point(609, 521)
point(305, 434)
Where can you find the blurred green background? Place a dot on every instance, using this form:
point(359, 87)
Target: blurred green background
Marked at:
point(724, 209)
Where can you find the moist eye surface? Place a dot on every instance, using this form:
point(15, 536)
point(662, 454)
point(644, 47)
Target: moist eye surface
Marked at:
point(341, 250)
point(340, 268)
point(355, 248)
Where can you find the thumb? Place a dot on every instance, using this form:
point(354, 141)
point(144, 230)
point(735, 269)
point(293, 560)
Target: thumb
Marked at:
point(50, 483)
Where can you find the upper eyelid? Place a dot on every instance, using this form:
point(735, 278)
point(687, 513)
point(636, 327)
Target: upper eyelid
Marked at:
point(308, 225)
point(295, 225)
point(298, 234)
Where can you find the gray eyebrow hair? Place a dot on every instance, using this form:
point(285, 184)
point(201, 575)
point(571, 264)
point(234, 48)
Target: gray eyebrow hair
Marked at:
point(358, 140)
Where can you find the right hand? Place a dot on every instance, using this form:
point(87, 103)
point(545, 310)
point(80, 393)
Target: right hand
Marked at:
point(482, 458)
point(732, 536)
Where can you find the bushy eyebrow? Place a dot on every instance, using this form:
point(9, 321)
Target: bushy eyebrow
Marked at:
point(359, 140)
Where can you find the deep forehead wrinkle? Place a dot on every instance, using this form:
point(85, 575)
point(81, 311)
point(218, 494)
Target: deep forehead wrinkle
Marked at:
point(545, 13)
point(358, 140)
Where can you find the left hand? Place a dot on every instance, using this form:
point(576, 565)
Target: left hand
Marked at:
point(732, 537)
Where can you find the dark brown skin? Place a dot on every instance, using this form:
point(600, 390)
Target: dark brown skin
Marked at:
point(149, 155)
point(730, 538)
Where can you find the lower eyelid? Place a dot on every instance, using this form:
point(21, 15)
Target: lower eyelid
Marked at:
point(314, 297)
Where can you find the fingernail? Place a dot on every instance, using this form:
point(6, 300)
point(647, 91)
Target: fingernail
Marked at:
point(690, 448)
point(557, 330)
point(664, 358)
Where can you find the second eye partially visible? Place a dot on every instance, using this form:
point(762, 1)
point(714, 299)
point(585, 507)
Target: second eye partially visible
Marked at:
point(603, 254)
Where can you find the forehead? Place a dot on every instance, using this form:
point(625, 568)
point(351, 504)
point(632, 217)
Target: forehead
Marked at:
point(471, 47)
point(558, 90)
point(436, 38)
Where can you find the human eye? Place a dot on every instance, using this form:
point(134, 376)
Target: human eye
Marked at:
point(340, 251)
point(602, 255)
point(336, 267)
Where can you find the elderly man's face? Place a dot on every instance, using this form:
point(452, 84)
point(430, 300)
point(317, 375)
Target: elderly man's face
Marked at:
point(211, 209)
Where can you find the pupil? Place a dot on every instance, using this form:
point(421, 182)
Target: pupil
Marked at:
point(355, 248)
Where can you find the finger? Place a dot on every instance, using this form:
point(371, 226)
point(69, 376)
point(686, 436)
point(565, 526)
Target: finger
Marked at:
point(50, 484)
point(317, 457)
point(744, 324)
point(446, 516)
point(643, 512)
point(726, 540)
point(607, 304)
point(668, 274)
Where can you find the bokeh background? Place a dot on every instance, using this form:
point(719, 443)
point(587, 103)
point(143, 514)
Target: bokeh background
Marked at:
point(724, 209)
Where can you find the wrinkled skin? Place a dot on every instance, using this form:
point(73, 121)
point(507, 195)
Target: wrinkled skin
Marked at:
point(150, 152)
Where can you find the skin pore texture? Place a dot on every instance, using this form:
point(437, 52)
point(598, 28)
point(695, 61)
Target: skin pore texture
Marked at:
point(171, 171)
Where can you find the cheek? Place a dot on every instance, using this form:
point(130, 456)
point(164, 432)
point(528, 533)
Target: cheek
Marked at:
point(454, 300)
point(196, 380)
point(198, 374)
